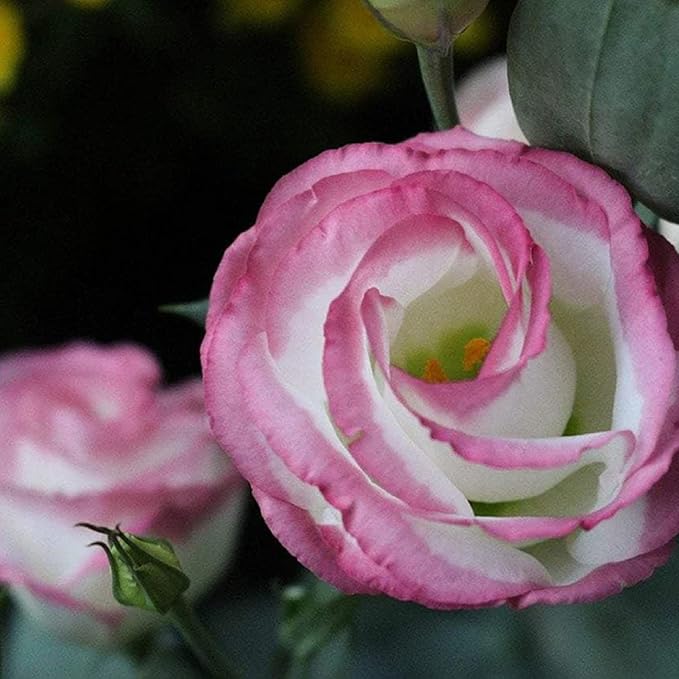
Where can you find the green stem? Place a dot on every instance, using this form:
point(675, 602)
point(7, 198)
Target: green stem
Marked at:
point(199, 640)
point(438, 78)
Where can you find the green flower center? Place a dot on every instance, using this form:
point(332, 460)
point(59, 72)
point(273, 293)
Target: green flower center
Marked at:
point(456, 356)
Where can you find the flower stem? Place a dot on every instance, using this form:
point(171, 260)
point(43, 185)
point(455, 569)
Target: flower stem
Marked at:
point(199, 640)
point(438, 78)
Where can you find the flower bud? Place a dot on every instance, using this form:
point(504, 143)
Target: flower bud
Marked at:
point(146, 571)
point(429, 23)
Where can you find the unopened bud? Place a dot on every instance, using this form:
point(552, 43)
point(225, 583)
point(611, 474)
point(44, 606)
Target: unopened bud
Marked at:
point(146, 571)
point(429, 23)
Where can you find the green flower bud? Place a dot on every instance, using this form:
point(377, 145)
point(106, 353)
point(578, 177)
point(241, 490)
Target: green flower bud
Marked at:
point(146, 571)
point(429, 23)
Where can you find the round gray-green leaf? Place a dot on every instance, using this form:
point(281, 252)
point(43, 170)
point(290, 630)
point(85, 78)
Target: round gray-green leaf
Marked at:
point(600, 78)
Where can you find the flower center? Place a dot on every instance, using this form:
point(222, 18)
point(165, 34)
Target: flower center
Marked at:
point(445, 334)
point(473, 353)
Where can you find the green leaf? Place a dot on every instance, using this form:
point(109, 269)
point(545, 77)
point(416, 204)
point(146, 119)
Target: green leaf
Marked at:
point(194, 311)
point(601, 80)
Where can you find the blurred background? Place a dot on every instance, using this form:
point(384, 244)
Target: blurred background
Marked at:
point(137, 139)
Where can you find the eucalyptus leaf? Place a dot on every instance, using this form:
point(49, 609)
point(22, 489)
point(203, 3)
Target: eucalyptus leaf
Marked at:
point(601, 80)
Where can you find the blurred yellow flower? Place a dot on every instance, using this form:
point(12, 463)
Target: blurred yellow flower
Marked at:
point(89, 4)
point(12, 44)
point(345, 51)
point(266, 13)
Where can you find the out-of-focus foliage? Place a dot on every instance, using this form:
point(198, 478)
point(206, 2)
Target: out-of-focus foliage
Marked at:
point(314, 630)
point(12, 44)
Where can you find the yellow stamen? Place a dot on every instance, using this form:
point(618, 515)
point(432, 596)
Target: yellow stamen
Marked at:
point(475, 351)
point(433, 372)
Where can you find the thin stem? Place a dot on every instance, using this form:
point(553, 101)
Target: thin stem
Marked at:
point(438, 78)
point(199, 640)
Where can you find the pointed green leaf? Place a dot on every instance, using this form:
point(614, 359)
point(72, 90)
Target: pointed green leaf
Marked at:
point(194, 311)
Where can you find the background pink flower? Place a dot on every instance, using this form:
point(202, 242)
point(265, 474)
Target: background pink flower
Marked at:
point(88, 435)
point(485, 106)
